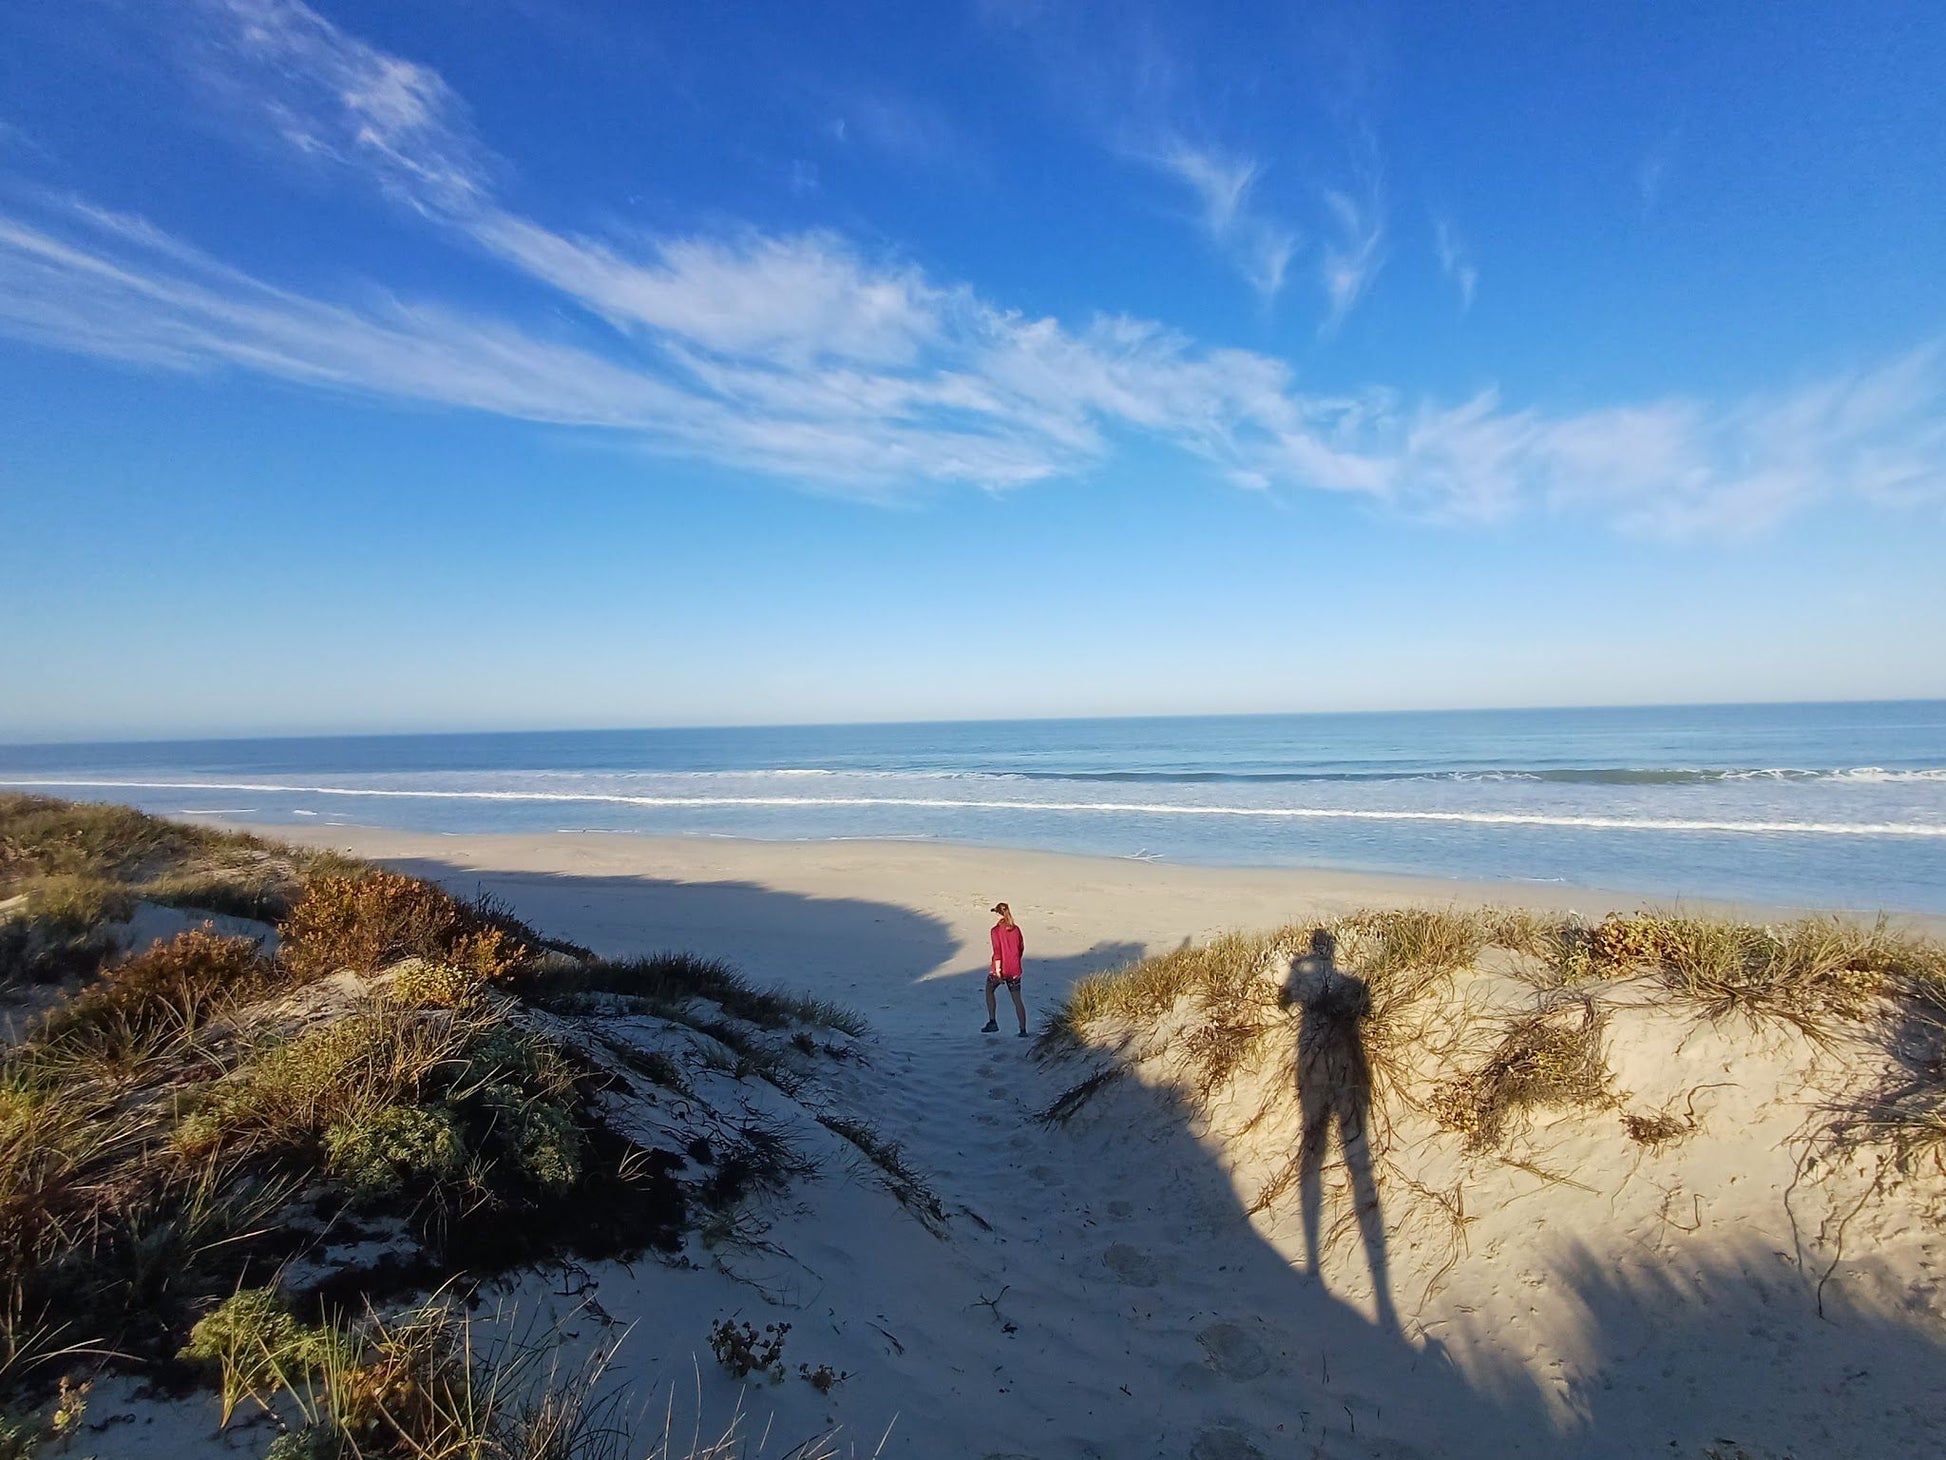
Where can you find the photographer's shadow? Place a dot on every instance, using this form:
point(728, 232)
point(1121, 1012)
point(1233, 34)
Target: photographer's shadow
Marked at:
point(1334, 1088)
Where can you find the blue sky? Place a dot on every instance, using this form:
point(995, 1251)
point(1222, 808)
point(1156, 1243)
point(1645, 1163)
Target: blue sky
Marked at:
point(525, 363)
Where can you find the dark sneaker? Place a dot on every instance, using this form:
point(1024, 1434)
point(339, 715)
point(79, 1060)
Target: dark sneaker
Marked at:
point(1023, 1034)
point(989, 1028)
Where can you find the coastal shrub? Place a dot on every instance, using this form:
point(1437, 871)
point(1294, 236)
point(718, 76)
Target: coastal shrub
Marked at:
point(1543, 1061)
point(252, 1343)
point(168, 992)
point(396, 1147)
point(394, 1100)
point(362, 923)
point(435, 985)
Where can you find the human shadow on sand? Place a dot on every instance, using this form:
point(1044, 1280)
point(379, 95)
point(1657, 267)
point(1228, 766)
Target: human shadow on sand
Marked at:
point(1334, 1088)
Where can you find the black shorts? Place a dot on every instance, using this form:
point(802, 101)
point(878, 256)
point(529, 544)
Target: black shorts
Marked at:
point(996, 979)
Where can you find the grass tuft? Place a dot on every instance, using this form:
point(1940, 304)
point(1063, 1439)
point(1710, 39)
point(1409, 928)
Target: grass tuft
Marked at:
point(1065, 1106)
point(664, 983)
point(907, 1186)
point(1545, 1061)
point(166, 994)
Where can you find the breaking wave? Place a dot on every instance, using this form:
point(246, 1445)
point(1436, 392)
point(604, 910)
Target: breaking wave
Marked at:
point(1722, 826)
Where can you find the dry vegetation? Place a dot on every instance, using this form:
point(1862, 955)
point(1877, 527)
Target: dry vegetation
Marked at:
point(1480, 1022)
point(186, 1121)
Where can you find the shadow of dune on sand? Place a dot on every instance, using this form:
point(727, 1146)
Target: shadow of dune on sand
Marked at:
point(817, 944)
point(1711, 1349)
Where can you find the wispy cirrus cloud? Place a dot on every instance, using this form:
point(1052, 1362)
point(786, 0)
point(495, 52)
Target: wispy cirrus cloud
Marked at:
point(1354, 249)
point(1260, 248)
point(803, 357)
point(1455, 261)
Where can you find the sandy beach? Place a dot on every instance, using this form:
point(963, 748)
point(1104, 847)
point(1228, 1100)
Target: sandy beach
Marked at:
point(845, 910)
point(1100, 1288)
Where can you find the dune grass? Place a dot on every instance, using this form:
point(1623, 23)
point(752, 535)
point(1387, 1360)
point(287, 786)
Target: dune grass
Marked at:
point(418, 1384)
point(908, 1187)
point(163, 1124)
point(1549, 1060)
point(1820, 977)
point(117, 851)
point(435, 1382)
point(666, 983)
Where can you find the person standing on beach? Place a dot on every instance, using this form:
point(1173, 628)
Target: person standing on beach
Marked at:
point(1004, 968)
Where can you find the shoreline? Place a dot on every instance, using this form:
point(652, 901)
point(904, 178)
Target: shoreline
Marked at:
point(763, 902)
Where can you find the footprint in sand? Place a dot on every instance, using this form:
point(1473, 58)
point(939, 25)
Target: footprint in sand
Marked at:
point(1130, 1265)
point(1232, 1352)
point(1046, 1175)
point(1121, 1211)
point(998, 1092)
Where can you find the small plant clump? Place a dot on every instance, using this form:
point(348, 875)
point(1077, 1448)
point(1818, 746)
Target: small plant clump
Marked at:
point(426, 985)
point(823, 1378)
point(172, 990)
point(412, 1386)
point(743, 1351)
point(1549, 1060)
point(1655, 1130)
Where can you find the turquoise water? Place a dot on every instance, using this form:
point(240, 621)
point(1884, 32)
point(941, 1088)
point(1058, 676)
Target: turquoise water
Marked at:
point(1837, 805)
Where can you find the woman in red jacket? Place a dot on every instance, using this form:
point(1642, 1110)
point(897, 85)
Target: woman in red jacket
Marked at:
point(1008, 945)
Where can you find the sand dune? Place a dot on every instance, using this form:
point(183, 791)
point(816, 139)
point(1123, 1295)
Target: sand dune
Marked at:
point(1098, 1288)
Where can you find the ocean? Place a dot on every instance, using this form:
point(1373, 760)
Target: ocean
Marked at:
point(1830, 805)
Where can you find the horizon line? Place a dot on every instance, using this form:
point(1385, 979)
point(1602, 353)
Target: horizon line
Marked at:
point(245, 738)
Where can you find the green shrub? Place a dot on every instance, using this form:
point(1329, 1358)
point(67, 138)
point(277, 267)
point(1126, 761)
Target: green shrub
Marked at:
point(396, 1147)
point(426, 985)
point(394, 1100)
point(254, 1345)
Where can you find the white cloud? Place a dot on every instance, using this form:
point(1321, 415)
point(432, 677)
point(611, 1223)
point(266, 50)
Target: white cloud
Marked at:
point(1455, 261)
point(1259, 249)
point(802, 357)
point(1353, 256)
point(332, 97)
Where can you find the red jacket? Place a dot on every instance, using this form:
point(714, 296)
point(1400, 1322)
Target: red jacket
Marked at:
point(1008, 945)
